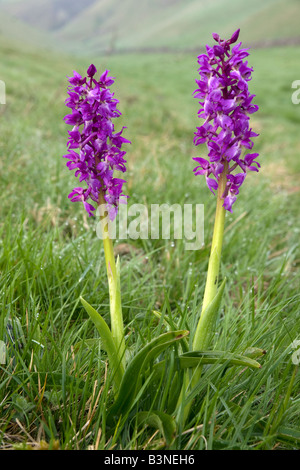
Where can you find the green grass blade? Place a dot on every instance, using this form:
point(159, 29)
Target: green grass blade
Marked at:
point(289, 433)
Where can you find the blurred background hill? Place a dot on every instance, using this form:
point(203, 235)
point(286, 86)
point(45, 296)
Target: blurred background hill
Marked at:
point(103, 26)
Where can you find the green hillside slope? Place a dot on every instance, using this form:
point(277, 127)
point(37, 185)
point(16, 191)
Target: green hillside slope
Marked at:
point(106, 25)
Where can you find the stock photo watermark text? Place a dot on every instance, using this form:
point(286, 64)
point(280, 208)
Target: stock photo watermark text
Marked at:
point(2, 92)
point(296, 95)
point(159, 221)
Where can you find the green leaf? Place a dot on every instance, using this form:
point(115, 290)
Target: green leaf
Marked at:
point(158, 371)
point(254, 352)
point(162, 421)
point(206, 324)
point(174, 392)
point(107, 342)
point(166, 321)
point(136, 368)
point(195, 358)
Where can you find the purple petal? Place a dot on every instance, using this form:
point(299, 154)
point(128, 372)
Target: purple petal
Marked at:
point(235, 36)
point(212, 184)
point(228, 202)
point(91, 71)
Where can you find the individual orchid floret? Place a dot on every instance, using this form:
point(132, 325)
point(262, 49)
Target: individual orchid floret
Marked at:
point(225, 107)
point(98, 147)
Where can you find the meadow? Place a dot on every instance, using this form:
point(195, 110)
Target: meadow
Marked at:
point(53, 389)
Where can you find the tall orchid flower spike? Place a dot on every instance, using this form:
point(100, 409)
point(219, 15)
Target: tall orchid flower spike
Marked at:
point(94, 148)
point(95, 152)
point(226, 106)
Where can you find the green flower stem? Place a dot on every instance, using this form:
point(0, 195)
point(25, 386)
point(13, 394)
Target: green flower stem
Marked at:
point(201, 338)
point(206, 322)
point(113, 275)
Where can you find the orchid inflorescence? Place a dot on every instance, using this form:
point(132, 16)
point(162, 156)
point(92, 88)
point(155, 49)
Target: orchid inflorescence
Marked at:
point(225, 106)
point(93, 107)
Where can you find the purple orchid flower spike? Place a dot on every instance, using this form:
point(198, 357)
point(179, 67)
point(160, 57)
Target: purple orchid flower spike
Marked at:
point(93, 135)
point(225, 107)
point(95, 153)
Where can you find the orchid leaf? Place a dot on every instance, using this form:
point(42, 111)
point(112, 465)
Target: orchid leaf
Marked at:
point(161, 421)
point(193, 359)
point(206, 324)
point(166, 321)
point(168, 373)
point(254, 352)
point(107, 342)
point(136, 368)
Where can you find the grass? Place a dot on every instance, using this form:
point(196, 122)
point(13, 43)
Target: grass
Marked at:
point(53, 390)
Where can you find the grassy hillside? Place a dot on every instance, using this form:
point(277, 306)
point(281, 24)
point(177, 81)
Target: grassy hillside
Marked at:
point(46, 15)
point(23, 35)
point(104, 25)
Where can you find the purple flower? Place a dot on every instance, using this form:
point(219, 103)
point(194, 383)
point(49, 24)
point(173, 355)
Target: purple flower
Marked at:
point(99, 147)
point(225, 107)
